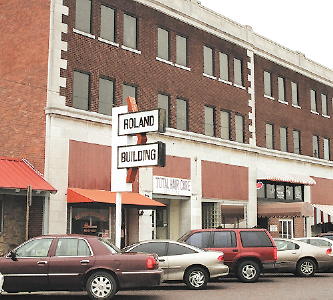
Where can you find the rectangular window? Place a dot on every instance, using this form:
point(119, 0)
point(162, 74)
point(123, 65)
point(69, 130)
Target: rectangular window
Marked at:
point(181, 114)
point(315, 146)
point(163, 102)
point(281, 89)
point(238, 78)
point(224, 66)
point(106, 95)
point(208, 61)
point(81, 86)
point(129, 91)
point(225, 125)
point(181, 50)
point(255, 239)
point(130, 31)
point(297, 141)
point(107, 23)
point(224, 239)
point(239, 124)
point(286, 229)
point(267, 84)
point(313, 101)
point(163, 43)
point(294, 94)
point(327, 149)
point(324, 104)
point(83, 15)
point(209, 121)
point(269, 136)
point(283, 139)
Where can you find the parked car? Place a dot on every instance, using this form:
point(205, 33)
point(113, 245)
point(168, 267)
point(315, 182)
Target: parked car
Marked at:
point(75, 263)
point(182, 262)
point(300, 258)
point(247, 252)
point(317, 241)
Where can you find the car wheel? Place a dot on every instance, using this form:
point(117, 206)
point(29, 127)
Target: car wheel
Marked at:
point(306, 267)
point(101, 285)
point(248, 271)
point(196, 278)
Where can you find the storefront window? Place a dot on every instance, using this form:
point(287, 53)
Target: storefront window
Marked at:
point(91, 221)
point(270, 191)
point(281, 191)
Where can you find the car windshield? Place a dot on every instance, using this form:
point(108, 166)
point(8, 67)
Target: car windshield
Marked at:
point(107, 243)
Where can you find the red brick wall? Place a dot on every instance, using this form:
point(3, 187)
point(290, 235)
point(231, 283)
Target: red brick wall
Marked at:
point(23, 78)
point(298, 226)
point(322, 191)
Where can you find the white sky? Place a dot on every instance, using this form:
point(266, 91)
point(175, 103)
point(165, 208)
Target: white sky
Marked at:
point(301, 25)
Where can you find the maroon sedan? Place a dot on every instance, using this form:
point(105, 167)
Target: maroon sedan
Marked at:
point(75, 263)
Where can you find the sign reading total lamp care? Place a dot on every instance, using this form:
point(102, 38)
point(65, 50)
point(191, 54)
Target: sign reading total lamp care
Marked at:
point(142, 122)
point(172, 186)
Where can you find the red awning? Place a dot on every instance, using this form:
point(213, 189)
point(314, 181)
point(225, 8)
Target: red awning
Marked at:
point(75, 195)
point(19, 174)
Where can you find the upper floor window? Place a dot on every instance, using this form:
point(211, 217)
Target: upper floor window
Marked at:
point(224, 66)
point(238, 69)
point(208, 61)
point(225, 125)
point(81, 86)
point(106, 95)
point(239, 125)
point(281, 89)
point(107, 23)
point(163, 43)
point(315, 146)
point(209, 121)
point(269, 136)
point(181, 50)
point(130, 31)
point(297, 141)
point(313, 101)
point(181, 114)
point(324, 104)
point(267, 84)
point(129, 91)
point(283, 139)
point(163, 102)
point(327, 151)
point(294, 94)
point(83, 15)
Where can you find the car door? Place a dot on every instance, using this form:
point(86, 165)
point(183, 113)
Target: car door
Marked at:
point(29, 270)
point(288, 254)
point(72, 257)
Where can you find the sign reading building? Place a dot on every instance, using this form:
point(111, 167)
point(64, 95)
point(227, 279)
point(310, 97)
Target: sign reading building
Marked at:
point(141, 155)
point(142, 122)
point(172, 186)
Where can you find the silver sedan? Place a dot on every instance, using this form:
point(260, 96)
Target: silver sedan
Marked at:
point(182, 262)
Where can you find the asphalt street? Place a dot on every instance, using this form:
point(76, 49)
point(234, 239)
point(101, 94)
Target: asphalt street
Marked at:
point(271, 287)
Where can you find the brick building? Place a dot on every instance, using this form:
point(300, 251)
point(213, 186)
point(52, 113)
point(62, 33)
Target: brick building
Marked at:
point(241, 110)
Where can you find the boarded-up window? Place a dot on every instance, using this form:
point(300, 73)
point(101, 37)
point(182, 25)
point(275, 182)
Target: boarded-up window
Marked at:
point(107, 23)
point(163, 43)
point(83, 15)
point(163, 102)
point(208, 61)
point(81, 85)
point(181, 114)
point(130, 31)
point(225, 125)
point(181, 50)
point(106, 93)
point(238, 69)
point(224, 66)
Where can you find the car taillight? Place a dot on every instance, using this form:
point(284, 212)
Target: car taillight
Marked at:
point(151, 263)
point(329, 251)
point(221, 258)
point(275, 253)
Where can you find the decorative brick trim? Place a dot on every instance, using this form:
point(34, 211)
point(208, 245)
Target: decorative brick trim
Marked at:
point(252, 102)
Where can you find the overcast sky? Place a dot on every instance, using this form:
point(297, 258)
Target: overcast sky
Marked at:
point(301, 25)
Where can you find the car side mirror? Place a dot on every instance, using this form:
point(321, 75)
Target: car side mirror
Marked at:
point(12, 255)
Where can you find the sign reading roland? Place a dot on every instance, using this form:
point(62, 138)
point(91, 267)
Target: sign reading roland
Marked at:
point(142, 122)
point(141, 155)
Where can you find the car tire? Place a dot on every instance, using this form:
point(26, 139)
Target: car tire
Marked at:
point(248, 271)
point(196, 278)
point(306, 267)
point(101, 285)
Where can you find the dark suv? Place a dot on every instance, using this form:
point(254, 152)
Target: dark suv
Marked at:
point(247, 252)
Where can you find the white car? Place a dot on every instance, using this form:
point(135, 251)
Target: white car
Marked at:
point(183, 262)
point(321, 242)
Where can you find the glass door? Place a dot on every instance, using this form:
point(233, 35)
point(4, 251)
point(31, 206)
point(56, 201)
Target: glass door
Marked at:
point(286, 229)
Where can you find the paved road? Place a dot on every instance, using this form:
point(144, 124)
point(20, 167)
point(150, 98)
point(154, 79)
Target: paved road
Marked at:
point(270, 287)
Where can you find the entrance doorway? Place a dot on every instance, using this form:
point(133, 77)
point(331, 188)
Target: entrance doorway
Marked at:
point(162, 224)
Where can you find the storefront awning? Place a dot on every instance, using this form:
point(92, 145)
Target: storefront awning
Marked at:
point(322, 213)
point(272, 175)
point(285, 209)
point(76, 195)
point(19, 174)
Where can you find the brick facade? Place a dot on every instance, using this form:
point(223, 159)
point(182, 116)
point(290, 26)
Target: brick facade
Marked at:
point(298, 223)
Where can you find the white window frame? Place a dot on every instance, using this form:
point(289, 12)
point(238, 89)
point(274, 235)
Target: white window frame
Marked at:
point(287, 234)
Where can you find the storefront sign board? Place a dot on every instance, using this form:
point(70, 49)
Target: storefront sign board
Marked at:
point(172, 186)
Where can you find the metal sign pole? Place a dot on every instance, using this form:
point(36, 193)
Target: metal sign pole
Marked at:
point(118, 219)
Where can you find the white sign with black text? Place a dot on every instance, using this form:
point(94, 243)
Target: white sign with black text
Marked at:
point(172, 186)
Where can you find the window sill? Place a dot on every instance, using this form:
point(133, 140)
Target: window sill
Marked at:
point(209, 76)
point(296, 106)
point(283, 102)
point(131, 49)
point(326, 116)
point(314, 112)
point(89, 35)
point(182, 67)
point(225, 81)
point(165, 61)
point(108, 42)
point(239, 86)
point(269, 97)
